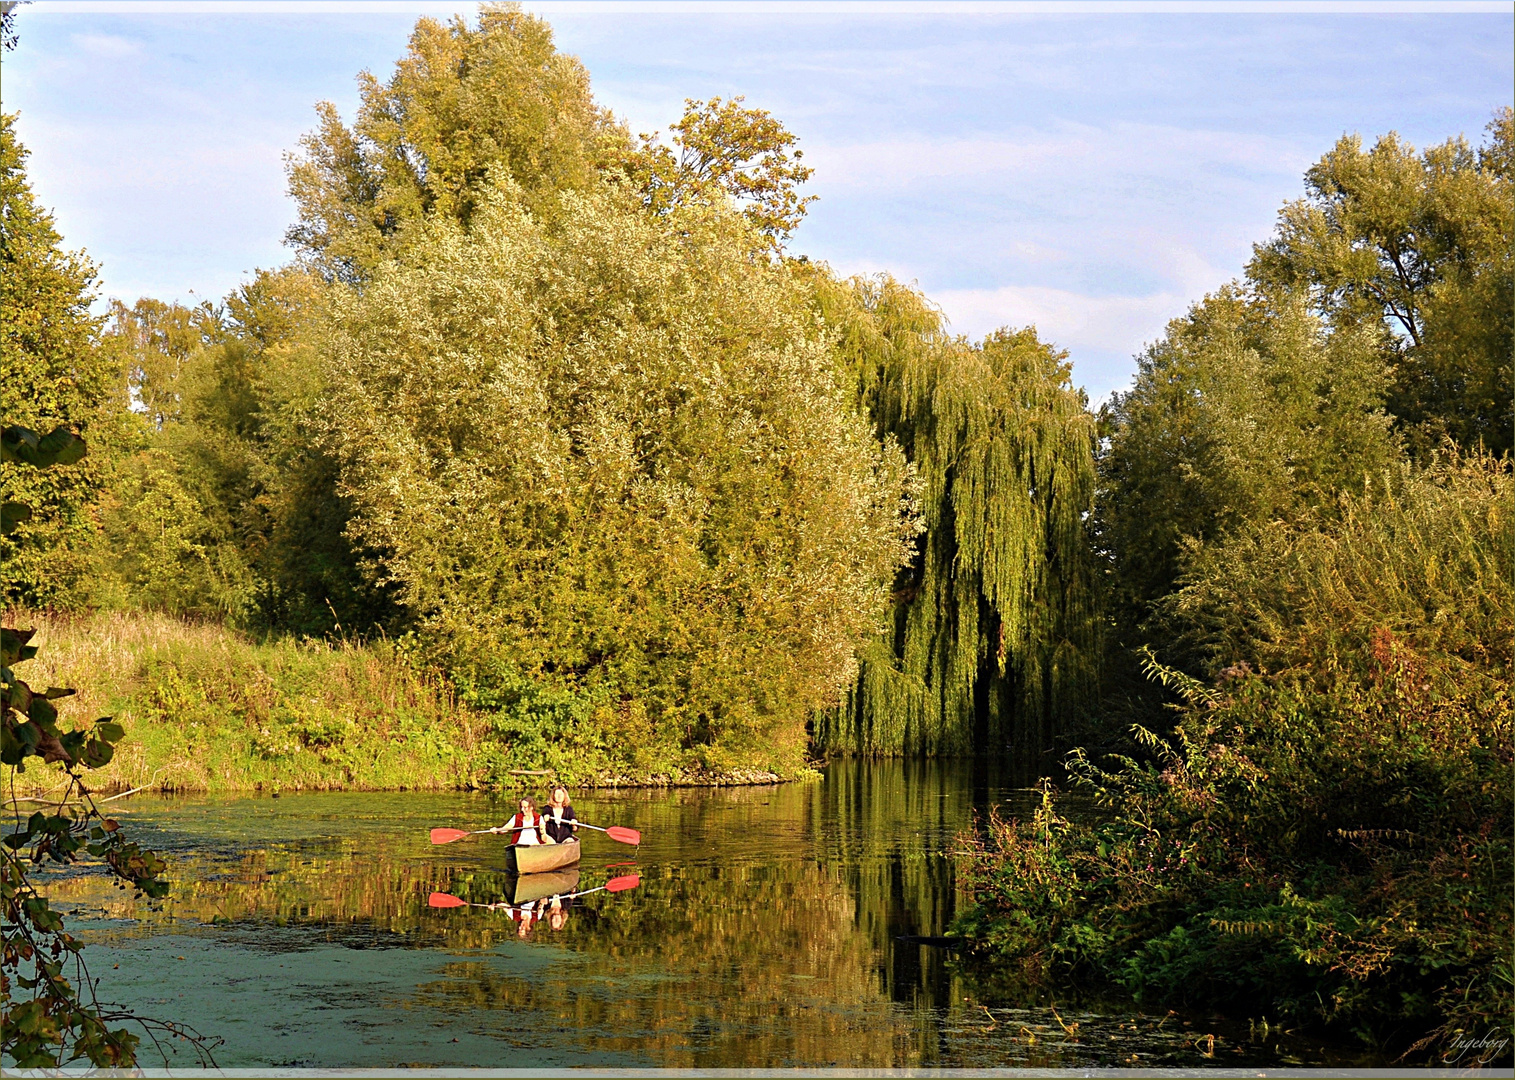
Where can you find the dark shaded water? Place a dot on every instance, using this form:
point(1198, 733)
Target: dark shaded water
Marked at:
point(764, 932)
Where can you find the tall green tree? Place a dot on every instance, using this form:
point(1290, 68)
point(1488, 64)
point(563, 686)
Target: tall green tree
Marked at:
point(55, 374)
point(1245, 412)
point(995, 638)
point(468, 106)
point(612, 448)
point(1420, 244)
point(463, 103)
point(225, 506)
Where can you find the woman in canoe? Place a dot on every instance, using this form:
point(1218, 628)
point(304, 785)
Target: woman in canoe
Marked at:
point(527, 825)
point(559, 817)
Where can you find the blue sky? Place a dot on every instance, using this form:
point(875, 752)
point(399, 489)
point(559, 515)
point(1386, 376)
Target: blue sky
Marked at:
point(1091, 170)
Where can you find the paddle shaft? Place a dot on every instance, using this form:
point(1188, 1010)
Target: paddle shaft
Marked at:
point(615, 832)
point(618, 833)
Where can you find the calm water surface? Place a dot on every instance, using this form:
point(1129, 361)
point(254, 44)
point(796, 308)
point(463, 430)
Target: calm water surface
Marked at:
point(764, 932)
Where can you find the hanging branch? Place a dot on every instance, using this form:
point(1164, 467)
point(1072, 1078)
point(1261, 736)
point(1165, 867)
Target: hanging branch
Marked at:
point(62, 1020)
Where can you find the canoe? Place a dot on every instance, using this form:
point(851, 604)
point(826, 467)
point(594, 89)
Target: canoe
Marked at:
point(541, 858)
point(529, 887)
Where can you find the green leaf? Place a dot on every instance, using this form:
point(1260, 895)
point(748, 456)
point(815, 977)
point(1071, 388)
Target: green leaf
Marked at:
point(20, 696)
point(108, 730)
point(97, 754)
point(13, 514)
point(60, 447)
point(11, 644)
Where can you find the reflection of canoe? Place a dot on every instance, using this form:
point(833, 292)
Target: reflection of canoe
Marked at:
point(541, 858)
point(529, 887)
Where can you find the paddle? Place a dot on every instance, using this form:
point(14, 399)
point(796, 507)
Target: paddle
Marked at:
point(615, 832)
point(615, 884)
point(447, 836)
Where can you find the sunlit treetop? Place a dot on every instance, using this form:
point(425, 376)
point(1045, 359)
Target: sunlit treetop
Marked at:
point(743, 154)
point(469, 107)
point(1421, 243)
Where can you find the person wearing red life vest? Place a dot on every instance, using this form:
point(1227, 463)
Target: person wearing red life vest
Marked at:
point(527, 825)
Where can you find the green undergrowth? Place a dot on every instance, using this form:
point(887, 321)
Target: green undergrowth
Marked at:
point(1324, 834)
point(207, 708)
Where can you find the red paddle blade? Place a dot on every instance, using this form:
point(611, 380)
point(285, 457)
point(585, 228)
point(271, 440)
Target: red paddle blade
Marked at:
point(447, 836)
point(442, 899)
point(621, 884)
point(625, 836)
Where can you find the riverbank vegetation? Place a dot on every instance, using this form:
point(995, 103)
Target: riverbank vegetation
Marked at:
point(1306, 519)
point(548, 452)
point(212, 709)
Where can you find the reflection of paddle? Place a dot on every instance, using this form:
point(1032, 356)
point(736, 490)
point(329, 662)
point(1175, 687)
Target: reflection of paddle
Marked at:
point(615, 884)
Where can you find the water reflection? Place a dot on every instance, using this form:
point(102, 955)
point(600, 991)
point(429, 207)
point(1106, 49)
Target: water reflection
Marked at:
point(763, 930)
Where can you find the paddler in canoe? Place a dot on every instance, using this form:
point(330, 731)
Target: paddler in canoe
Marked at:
point(536, 849)
point(560, 817)
point(546, 841)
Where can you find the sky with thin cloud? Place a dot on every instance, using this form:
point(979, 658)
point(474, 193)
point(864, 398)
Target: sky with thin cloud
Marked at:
point(1091, 172)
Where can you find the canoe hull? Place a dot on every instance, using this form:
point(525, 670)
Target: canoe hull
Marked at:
point(541, 858)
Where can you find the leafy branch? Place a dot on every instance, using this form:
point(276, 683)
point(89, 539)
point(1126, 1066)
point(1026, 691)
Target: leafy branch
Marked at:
point(61, 1019)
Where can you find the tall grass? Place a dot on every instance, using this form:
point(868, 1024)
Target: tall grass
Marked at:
point(206, 708)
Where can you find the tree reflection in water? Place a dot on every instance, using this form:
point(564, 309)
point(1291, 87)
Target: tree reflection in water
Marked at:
point(763, 931)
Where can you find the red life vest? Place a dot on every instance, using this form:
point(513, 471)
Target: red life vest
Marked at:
point(528, 835)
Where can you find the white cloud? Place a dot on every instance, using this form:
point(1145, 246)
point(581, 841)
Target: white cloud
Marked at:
point(1072, 151)
point(108, 45)
point(1074, 321)
point(1102, 334)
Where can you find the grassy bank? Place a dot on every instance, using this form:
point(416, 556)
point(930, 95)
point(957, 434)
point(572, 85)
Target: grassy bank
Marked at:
point(209, 709)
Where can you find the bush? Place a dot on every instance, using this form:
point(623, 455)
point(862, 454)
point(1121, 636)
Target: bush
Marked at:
point(1327, 829)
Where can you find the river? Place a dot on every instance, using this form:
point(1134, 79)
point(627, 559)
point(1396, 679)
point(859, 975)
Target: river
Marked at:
point(764, 929)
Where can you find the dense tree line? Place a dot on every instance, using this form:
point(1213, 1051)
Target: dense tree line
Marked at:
point(556, 400)
point(1303, 516)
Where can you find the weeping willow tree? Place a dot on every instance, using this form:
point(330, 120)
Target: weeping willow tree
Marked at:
point(994, 637)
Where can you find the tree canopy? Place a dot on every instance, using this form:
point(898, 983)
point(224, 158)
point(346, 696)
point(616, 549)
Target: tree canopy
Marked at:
point(995, 637)
point(1420, 244)
point(1244, 412)
point(463, 103)
point(612, 447)
point(55, 374)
